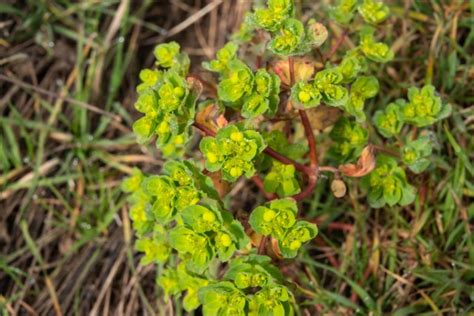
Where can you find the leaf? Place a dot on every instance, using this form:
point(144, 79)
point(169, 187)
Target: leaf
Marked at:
point(364, 166)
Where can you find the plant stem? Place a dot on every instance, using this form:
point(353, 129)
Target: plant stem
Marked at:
point(291, 66)
point(387, 151)
point(308, 129)
point(336, 46)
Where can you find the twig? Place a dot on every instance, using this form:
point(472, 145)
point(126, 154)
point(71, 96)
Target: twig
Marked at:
point(291, 66)
point(387, 151)
point(308, 129)
point(338, 44)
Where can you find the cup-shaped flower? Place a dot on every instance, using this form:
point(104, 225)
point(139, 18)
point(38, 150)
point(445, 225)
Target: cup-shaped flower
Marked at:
point(415, 154)
point(316, 34)
point(424, 107)
point(149, 79)
point(305, 95)
point(387, 184)
point(222, 298)
point(329, 83)
point(389, 121)
point(232, 150)
point(274, 218)
point(350, 139)
point(373, 11)
point(223, 57)
point(287, 41)
point(166, 53)
point(271, 18)
point(363, 88)
point(375, 51)
point(343, 12)
point(272, 300)
point(237, 82)
point(295, 237)
point(281, 180)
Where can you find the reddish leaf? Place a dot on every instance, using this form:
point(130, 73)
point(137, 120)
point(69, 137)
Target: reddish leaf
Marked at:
point(365, 164)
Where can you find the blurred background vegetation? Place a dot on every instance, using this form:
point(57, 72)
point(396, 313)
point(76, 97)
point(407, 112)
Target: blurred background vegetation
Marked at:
point(68, 71)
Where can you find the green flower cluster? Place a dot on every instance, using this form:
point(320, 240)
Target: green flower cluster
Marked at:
point(256, 93)
point(281, 180)
point(166, 100)
point(203, 232)
point(353, 63)
point(349, 139)
point(327, 86)
point(179, 280)
point(372, 11)
point(158, 199)
point(251, 286)
point(389, 121)
point(289, 35)
point(388, 184)
point(169, 222)
point(232, 151)
point(363, 88)
point(373, 50)
point(415, 154)
point(278, 220)
point(423, 108)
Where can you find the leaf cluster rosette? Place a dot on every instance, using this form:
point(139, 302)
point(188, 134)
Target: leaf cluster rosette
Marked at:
point(278, 220)
point(232, 151)
point(251, 286)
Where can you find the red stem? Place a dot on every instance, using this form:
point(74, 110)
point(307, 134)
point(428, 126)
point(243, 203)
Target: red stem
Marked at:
point(308, 129)
point(338, 44)
point(291, 66)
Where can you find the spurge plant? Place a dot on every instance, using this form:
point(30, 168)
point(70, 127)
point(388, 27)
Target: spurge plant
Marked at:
point(257, 120)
